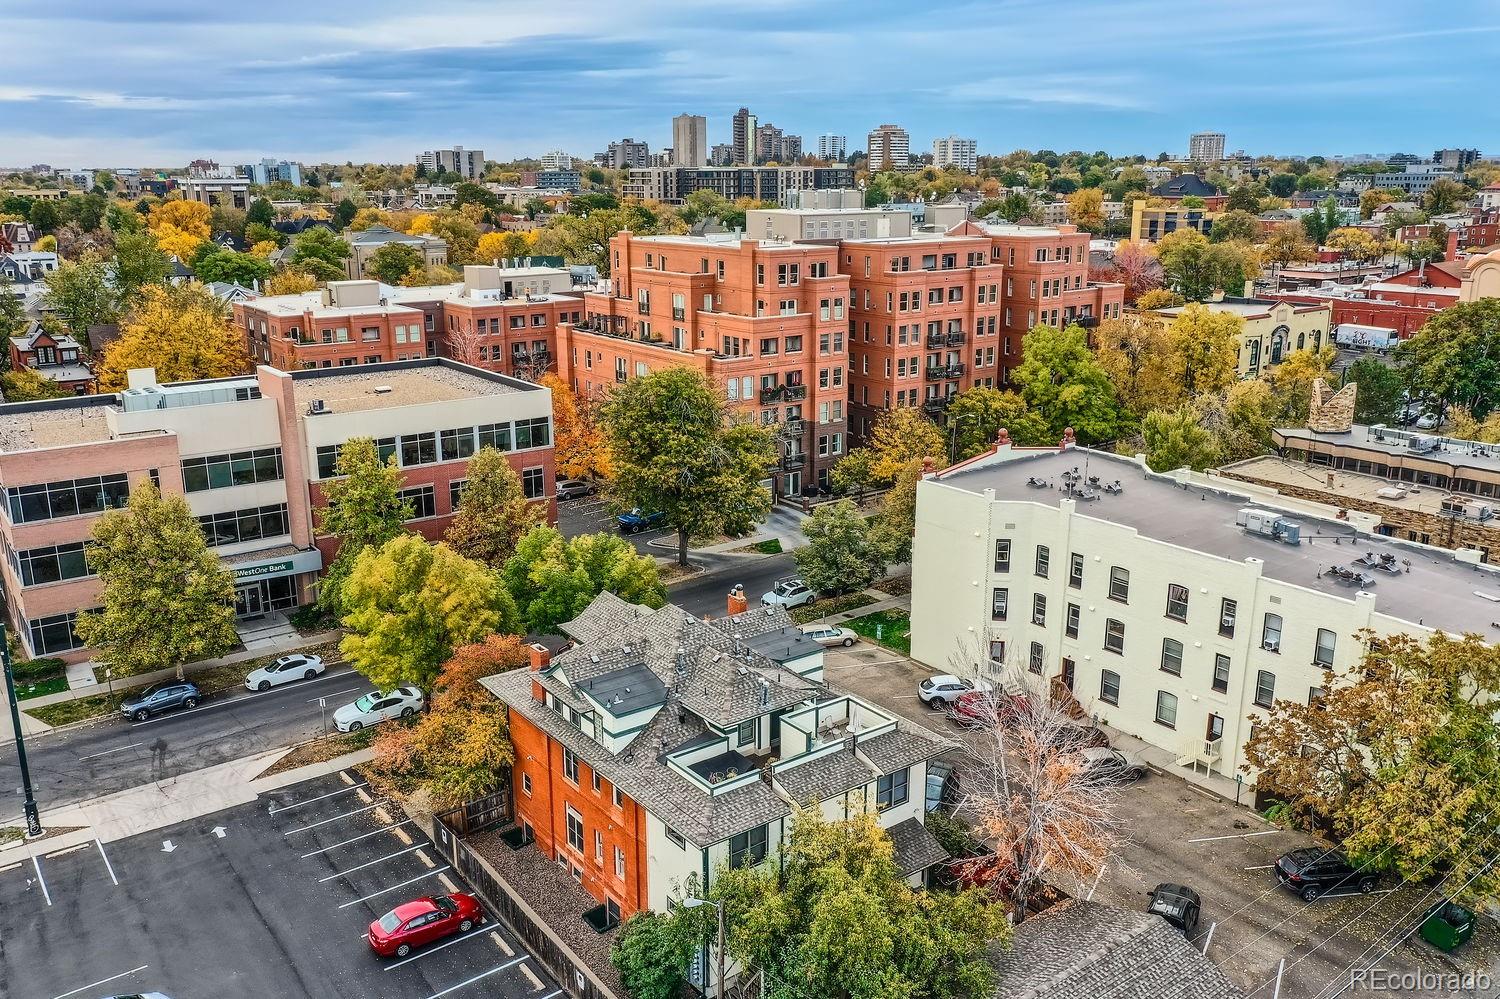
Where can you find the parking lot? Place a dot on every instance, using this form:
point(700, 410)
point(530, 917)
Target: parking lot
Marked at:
point(589, 515)
point(267, 899)
point(1175, 832)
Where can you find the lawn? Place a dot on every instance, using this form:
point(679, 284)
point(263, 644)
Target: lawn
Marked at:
point(891, 628)
point(832, 605)
point(40, 688)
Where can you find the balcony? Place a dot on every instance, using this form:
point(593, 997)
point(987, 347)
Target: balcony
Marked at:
point(957, 339)
point(793, 462)
point(937, 342)
point(796, 425)
point(1087, 322)
point(943, 372)
point(783, 393)
point(935, 407)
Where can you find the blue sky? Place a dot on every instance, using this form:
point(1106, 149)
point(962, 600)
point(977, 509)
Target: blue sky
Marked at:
point(150, 82)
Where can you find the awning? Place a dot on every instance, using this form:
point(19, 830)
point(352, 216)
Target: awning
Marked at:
point(285, 561)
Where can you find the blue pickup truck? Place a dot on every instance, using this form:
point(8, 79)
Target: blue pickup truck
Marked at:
point(636, 520)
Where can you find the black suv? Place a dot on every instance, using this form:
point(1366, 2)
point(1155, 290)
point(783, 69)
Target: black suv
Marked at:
point(1311, 872)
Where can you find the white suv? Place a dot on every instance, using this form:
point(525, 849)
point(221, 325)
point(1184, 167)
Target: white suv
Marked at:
point(788, 593)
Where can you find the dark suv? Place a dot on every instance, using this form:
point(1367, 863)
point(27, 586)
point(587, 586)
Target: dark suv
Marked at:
point(1312, 871)
point(162, 697)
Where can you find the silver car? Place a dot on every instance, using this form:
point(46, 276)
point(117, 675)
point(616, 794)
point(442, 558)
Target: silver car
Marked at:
point(829, 635)
point(570, 488)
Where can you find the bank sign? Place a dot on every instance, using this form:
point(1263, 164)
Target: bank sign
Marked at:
point(308, 561)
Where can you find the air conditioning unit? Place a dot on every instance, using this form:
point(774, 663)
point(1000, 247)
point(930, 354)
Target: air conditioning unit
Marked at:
point(1271, 644)
point(316, 406)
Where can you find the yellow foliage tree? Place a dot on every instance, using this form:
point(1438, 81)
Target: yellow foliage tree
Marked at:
point(1086, 208)
point(182, 332)
point(290, 282)
point(579, 442)
point(420, 225)
point(1205, 349)
point(264, 248)
point(180, 226)
point(491, 246)
point(367, 217)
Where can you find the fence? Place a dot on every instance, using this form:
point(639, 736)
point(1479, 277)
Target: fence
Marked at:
point(479, 815)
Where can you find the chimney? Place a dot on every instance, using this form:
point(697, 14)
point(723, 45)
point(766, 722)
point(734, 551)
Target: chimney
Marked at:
point(540, 657)
point(1069, 440)
point(1452, 251)
point(1002, 438)
point(738, 603)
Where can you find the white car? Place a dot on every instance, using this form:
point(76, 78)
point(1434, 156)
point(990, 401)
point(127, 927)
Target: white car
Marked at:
point(284, 670)
point(942, 690)
point(829, 635)
point(788, 593)
point(375, 707)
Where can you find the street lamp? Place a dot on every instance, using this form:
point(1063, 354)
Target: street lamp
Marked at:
point(33, 817)
point(693, 903)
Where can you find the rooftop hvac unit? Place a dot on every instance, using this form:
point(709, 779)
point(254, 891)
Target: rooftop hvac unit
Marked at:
point(316, 406)
point(1266, 524)
point(1422, 443)
point(382, 389)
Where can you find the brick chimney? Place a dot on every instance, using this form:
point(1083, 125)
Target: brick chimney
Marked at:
point(1002, 437)
point(540, 657)
point(737, 602)
point(1069, 439)
point(1452, 250)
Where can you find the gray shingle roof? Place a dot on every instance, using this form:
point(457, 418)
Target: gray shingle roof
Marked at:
point(1084, 950)
point(822, 778)
point(916, 848)
point(904, 747)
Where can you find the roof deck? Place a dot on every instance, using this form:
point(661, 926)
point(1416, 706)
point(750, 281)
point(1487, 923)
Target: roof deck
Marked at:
point(368, 387)
point(28, 426)
point(1354, 485)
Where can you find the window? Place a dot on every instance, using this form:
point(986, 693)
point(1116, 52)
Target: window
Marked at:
point(1265, 688)
point(676, 837)
point(1043, 560)
point(1221, 672)
point(1315, 695)
point(457, 444)
point(526, 784)
point(747, 732)
point(1227, 611)
point(1166, 709)
point(599, 847)
point(1002, 555)
point(1034, 663)
point(533, 433)
point(328, 456)
point(570, 766)
point(1070, 626)
point(1171, 656)
point(422, 501)
point(239, 468)
point(575, 829)
point(619, 863)
point(1114, 636)
point(748, 848)
point(51, 564)
point(1119, 584)
point(1109, 686)
point(1075, 570)
point(54, 633)
point(1323, 652)
point(891, 790)
point(244, 525)
point(456, 493)
point(999, 603)
point(1270, 635)
point(598, 782)
point(1038, 609)
point(533, 483)
point(1177, 602)
point(619, 797)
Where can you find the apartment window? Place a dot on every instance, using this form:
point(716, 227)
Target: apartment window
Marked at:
point(54, 633)
point(617, 796)
point(570, 766)
point(533, 433)
point(598, 782)
point(52, 564)
point(1166, 709)
point(419, 449)
point(1038, 609)
point(1002, 555)
point(526, 784)
point(1075, 570)
point(1043, 560)
point(457, 444)
point(999, 603)
point(1109, 686)
point(748, 848)
point(1270, 635)
point(747, 733)
point(243, 525)
point(1177, 602)
point(1221, 673)
point(1171, 656)
point(1119, 584)
point(892, 789)
point(533, 483)
point(1114, 636)
point(421, 500)
point(1034, 663)
point(1070, 627)
point(1265, 688)
point(676, 837)
point(619, 863)
point(1228, 609)
point(495, 435)
point(1323, 652)
point(575, 829)
point(239, 468)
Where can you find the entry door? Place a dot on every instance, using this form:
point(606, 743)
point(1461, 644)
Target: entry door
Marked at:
point(1215, 728)
point(794, 483)
point(248, 602)
point(1068, 671)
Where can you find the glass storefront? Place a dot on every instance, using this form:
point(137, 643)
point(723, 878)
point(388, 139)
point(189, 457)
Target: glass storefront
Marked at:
point(261, 596)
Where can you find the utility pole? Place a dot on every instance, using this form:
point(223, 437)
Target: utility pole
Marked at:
point(33, 817)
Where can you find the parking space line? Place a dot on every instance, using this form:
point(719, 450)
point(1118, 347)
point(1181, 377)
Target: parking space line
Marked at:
point(356, 839)
point(483, 974)
point(392, 888)
point(1262, 867)
point(371, 863)
point(66, 850)
point(102, 981)
point(309, 801)
point(500, 942)
point(552, 995)
point(121, 749)
point(1356, 894)
point(427, 952)
point(107, 865)
point(45, 893)
point(1214, 839)
point(324, 822)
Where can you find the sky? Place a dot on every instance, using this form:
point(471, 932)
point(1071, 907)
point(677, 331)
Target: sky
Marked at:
point(158, 83)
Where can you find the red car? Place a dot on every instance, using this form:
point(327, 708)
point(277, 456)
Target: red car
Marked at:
point(421, 921)
point(981, 709)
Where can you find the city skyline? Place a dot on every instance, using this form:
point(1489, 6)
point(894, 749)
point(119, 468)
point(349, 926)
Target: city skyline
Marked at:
point(181, 84)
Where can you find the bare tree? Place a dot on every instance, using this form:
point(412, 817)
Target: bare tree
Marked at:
point(1024, 784)
point(467, 346)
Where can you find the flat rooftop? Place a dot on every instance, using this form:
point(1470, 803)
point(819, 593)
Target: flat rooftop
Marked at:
point(1385, 441)
point(1249, 310)
point(355, 391)
point(1438, 591)
point(1355, 485)
point(312, 302)
point(26, 427)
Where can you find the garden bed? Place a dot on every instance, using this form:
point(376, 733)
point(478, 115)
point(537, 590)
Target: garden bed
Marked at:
point(891, 628)
point(832, 605)
point(771, 546)
point(896, 586)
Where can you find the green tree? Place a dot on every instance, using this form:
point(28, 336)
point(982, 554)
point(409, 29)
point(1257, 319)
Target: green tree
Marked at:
point(408, 604)
point(493, 511)
point(343, 213)
point(1378, 397)
point(1322, 220)
point(1061, 381)
point(677, 451)
point(1282, 185)
point(45, 215)
point(393, 261)
point(139, 263)
point(238, 268)
point(1175, 438)
point(653, 951)
point(1444, 196)
point(1455, 357)
point(363, 510)
point(318, 245)
point(260, 211)
point(166, 599)
point(552, 579)
point(1243, 199)
point(1196, 267)
point(1240, 225)
point(82, 294)
point(12, 313)
point(28, 385)
point(976, 415)
point(840, 554)
point(895, 526)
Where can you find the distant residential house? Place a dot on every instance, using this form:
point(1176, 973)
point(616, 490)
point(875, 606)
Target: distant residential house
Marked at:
point(17, 237)
point(230, 292)
point(1187, 185)
point(296, 227)
point(23, 267)
point(58, 357)
point(364, 244)
point(229, 241)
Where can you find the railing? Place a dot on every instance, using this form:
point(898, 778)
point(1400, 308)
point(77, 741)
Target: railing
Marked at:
point(942, 372)
point(784, 393)
point(935, 406)
point(795, 426)
point(937, 341)
point(792, 462)
point(956, 339)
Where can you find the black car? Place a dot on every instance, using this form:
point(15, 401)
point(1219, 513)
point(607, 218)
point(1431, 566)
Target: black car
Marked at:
point(1178, 905)
point(1110, 766)
point(161, 697)
point(1312, 871)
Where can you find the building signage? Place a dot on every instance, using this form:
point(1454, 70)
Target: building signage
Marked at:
point(307, 561)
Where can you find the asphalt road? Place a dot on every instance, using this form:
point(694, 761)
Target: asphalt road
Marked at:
point(114, 754)
point(270, 898)
point(707, 593)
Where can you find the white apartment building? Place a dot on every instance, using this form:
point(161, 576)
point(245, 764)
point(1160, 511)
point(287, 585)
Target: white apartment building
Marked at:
point(556, 160)
point(831, 223)
point(690, 140)
point(888, 148)
point(467, 163)
point(1142, 594)
point(1206, 147)
point(956, 151)
point(833, 147)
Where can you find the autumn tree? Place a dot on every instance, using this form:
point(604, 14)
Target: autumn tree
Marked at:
point(676, 451)
point(28, 384)
point(1240, 225)
point(1061, 381)
point(579, 442)
point(183, 332)
point(894, 527)
point(1373, 198)
point(841, 553)
point(1291, 382)
point(460, 750)
point(139, 264)
point(82, 294)
point(1204, 349)
point(393, 261)
point(290, 282)
point(552, 579)
point(900, 436)
point(363, 509)
point(165, 598)
point(1287, 245)
point(1399, 754)
point(1131, 350)
point(1086, 209)
point(408, 604)
point(1355, 244)
point(493, 511)
point(1135, 266)
point(1455, 357)
point(179, 226)
point(1159, 298)
point(976, 415)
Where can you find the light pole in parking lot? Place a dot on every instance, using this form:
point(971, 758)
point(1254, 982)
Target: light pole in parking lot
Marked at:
point(33, 817)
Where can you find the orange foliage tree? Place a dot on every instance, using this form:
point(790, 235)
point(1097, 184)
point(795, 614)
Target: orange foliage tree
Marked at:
point(579, 443)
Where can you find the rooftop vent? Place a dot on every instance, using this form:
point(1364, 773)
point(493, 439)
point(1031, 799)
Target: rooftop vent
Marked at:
point(382, 389)
point(316, 406)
